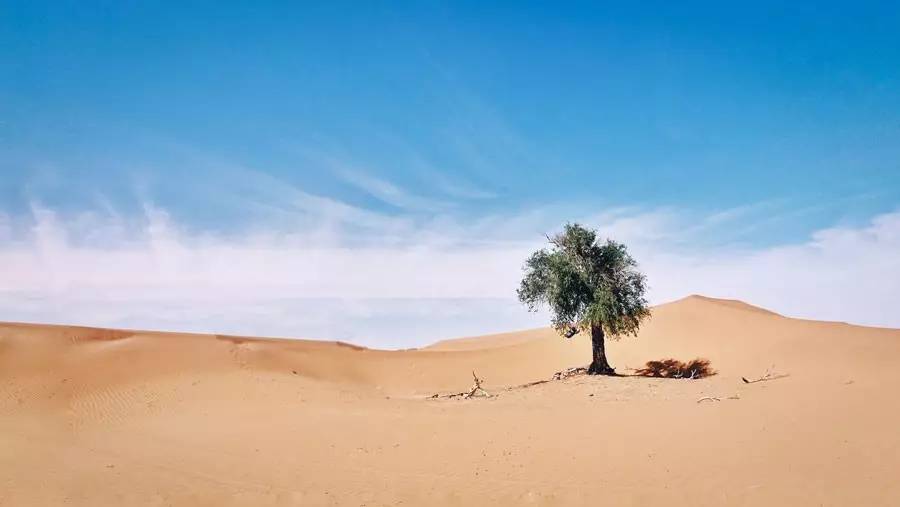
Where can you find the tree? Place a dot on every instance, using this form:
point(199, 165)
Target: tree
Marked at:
point(589, 286)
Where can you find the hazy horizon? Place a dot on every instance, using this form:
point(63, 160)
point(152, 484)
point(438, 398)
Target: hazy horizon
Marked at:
point(375, 174)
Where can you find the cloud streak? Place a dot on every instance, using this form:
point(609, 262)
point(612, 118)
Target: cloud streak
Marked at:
point(395, 282)
point(387, 192)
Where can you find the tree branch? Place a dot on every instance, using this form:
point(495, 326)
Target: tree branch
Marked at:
point(769, 375)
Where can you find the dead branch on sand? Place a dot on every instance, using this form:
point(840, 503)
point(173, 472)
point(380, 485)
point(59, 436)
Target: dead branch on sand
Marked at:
point(716, 398)
point(770, 375)
point(476, 390)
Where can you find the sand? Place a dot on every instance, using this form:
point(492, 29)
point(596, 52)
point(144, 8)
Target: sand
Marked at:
point(102, 417)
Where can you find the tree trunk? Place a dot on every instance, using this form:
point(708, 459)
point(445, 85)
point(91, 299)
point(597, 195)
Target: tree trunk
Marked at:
point(599, 365)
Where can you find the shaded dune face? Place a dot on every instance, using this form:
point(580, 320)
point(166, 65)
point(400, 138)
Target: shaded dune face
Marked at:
point(96, 416)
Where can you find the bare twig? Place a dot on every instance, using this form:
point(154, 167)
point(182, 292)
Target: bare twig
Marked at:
point(763, 379)
point(709, 398)
point(476, 390)
point(769, 375)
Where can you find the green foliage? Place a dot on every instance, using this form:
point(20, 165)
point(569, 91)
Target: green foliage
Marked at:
point(585, 284)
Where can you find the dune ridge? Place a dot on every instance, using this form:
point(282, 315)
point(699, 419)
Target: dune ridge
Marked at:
point(93, 416)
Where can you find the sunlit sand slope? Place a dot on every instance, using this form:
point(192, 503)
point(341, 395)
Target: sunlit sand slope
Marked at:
point(107, 417)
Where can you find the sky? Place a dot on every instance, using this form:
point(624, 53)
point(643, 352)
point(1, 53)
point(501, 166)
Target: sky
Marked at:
point(378, 172)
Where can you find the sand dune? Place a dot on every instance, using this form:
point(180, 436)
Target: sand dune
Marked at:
point(113, 417)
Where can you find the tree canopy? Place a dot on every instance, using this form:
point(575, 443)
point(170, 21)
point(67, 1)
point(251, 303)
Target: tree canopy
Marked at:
point(586, 284)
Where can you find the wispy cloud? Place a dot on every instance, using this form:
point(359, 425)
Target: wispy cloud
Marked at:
point(739, 212)
point(458, 189)
point(387, 192)
point(101, 268)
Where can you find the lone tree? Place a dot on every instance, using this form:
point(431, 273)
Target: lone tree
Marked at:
point(589, 286)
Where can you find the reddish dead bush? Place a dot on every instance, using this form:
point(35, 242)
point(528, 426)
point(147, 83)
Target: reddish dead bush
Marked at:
point(673, 368)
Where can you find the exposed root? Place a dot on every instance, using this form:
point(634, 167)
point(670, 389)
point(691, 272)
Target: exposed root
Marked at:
point(669, 368)
point(529, 384)
point(569, 372)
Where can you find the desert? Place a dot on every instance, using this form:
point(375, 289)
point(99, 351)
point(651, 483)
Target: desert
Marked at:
point(114, 417)
point(449, 253)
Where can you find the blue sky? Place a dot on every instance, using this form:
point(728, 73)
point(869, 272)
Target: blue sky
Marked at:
point(694, 130)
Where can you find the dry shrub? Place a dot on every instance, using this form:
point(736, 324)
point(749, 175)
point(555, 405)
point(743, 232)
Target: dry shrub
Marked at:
point(673, 368)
